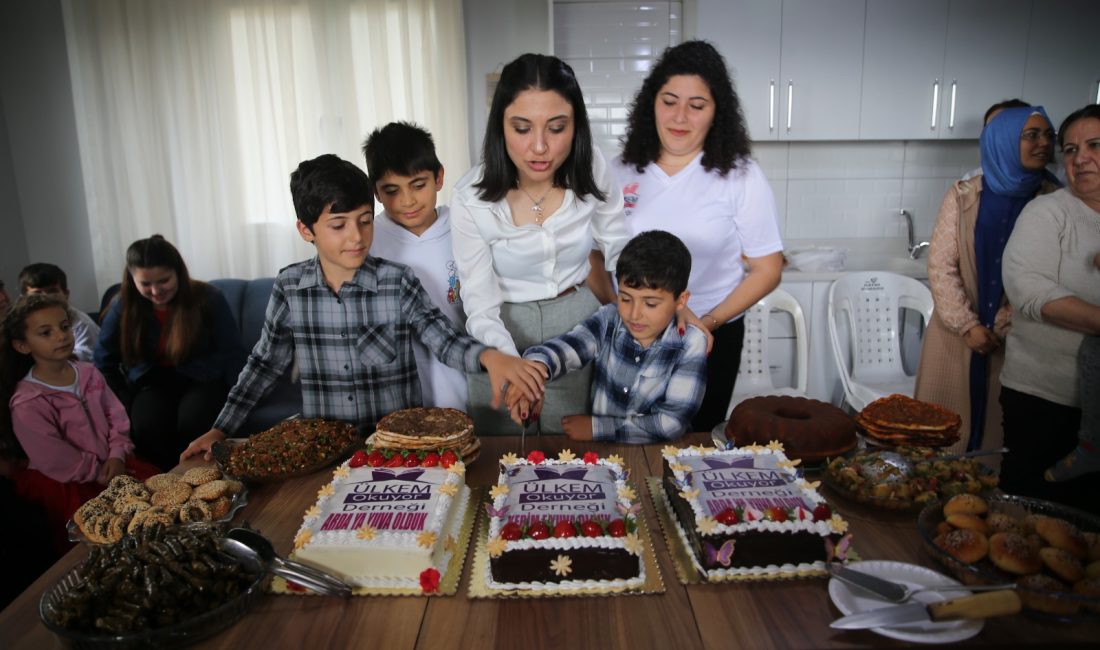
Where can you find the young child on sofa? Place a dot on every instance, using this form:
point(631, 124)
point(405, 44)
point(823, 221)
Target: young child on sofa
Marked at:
point(350, 318)
point(415, 231)
point(43, 277)
point(58, 414)
point(649, 379)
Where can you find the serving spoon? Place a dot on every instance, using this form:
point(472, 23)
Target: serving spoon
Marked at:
point(253, 547)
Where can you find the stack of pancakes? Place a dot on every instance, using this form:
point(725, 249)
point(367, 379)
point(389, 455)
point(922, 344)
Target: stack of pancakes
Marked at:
point(435, 429)
point(902, 420)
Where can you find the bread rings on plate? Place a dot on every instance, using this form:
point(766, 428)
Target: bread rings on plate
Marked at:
point(1011, 552)
point(999, 522)
point(965, 545)
point(971, 522)
point(965, 504)
point(1059, 533)
point(1062, 564)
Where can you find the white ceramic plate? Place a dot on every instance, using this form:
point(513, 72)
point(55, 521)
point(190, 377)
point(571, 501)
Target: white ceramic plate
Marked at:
point(852, 600)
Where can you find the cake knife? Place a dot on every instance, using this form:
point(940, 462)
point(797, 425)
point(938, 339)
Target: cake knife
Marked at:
point(994, 603)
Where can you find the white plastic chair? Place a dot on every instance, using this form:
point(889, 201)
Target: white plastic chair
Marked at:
point(870, 304)
point(754, 377)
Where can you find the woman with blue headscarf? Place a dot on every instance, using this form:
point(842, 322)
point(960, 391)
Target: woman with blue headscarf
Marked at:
point(963, 349)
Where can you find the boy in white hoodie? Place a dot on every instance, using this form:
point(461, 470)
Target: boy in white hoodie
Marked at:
point(414, 231)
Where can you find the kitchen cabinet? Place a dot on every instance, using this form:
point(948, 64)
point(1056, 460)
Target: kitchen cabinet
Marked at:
point(1063, 57)
point(797, 64)
point(933, 67)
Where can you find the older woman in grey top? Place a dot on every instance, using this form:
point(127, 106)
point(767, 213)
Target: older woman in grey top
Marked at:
point(1051, 281)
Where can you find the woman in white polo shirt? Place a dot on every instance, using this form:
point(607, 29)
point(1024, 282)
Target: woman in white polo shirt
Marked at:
point(523, 223)
point(685, 168)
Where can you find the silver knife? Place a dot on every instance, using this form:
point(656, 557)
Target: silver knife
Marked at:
point(898, 593)
point(994, 603)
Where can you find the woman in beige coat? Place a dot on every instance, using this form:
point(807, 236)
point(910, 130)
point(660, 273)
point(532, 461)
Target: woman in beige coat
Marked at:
point(963, 349)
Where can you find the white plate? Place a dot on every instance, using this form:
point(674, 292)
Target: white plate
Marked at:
point(852, 600)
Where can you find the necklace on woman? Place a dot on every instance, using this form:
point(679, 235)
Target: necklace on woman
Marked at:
point(536, 205)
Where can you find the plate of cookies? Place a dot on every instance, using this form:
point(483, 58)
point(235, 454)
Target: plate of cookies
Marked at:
point(1051, 551)
point(126, 506)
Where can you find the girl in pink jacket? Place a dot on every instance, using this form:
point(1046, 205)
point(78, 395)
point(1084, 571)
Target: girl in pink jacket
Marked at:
point(61, 416)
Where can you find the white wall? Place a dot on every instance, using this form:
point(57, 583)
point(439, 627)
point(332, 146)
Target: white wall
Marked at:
point(497, 31)
point(41, 138)
point(13, 240)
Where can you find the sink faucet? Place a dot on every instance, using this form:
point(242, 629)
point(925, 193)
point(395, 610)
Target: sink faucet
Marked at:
point(915, 249)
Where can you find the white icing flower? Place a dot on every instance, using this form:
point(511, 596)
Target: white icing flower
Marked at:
point(562, 566)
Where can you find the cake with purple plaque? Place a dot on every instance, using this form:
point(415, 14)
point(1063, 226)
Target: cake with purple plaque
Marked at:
point(746, 513)
point(385, 526)
point(563, 525)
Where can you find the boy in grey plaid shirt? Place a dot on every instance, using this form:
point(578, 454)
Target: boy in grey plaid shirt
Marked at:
point(649, 379)
point(351, 318)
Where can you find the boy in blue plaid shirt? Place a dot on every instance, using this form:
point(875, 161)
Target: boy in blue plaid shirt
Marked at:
point(350, 319)
point(649, 379)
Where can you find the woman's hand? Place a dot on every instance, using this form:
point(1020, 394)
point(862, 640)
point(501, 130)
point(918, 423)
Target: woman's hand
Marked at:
point(507, 371)
point(202, 445)
point(981, 339)
point(577, 427)
point(685, 317)
point(112, 468)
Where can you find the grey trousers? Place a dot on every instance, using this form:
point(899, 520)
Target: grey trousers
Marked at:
point(531, 323)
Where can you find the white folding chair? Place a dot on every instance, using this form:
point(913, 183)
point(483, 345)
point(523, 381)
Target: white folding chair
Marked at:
point(868, 306)
point(755, 377)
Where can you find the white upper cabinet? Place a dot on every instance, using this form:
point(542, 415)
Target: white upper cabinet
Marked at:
point(747, 33)
point(797, 64)
point(903, 69)
point(1063, 57)
point(984, 62)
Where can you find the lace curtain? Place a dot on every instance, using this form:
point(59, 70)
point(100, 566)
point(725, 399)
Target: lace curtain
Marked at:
point(192, 114)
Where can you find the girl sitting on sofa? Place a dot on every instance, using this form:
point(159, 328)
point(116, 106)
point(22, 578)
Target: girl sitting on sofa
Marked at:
point(64, 434)
point(170, 348)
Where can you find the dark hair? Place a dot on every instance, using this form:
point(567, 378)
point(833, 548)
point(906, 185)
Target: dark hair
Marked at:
point(655, 259)
point(185, 323)
point(537, 72)
point(328, 181)
point(726, 143)
point(1092, 110)
point(41, 275)
point(400, 148)
point(999, 106)
point(15, 365)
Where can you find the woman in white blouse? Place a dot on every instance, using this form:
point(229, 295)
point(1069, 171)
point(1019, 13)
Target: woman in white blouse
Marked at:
point(523, 224)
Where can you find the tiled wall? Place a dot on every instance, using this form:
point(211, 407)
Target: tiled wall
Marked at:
point(824, 190)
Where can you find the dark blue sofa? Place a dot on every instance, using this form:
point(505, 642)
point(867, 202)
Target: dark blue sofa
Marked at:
point(248, 301)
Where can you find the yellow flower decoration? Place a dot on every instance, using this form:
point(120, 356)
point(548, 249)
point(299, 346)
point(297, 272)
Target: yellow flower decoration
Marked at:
point(679, 467)
point(838, 525)
point(341, 472)
point(498, 490)
point(562, 566)
point(688, 494)
point(699, 448)
point(755, 448)
point(706, 525)
point(313, 511)
point(809, 485)
point(775, 445)
point(615, 458)
point(633, 544)
point(450, 489)
point(458, 468)
point(426, 539)
point(626, 492)
point(790, 464)
point(366, 532)
point(496, 547)
point(302, 539)
point(566, 455)
point(509, 459)
point(450, 544)
point(326, 491)
point(669, 450)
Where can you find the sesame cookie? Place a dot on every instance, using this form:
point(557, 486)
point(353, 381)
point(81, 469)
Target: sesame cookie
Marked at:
point(212, 490)
point(195, 510)
point(161, 481)
point(200, 475)
point(220, 507)
point(172, 495)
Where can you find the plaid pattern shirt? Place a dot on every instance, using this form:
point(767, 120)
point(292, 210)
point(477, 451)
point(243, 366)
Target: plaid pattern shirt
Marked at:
point(354, 348)
point(639, 395)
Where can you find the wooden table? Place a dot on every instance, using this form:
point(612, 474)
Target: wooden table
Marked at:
point(792, 614)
